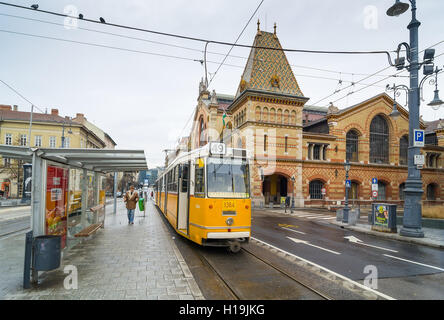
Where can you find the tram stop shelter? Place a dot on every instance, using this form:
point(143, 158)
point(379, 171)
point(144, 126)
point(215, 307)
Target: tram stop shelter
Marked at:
point(68, 187)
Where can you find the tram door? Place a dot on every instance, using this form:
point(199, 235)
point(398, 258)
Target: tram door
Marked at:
point(184, 185)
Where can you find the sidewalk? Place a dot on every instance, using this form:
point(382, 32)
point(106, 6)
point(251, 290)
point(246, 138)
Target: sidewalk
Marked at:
point(121, 261)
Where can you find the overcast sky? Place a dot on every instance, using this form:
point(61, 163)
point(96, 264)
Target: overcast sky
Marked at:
point(144, 101)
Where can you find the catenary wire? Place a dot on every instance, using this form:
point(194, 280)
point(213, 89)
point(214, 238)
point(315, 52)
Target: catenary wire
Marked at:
point(20, 95)
point(178, 46)
point(237, 39)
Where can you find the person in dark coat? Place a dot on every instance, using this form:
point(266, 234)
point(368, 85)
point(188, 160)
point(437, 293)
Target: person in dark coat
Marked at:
point(131, 198)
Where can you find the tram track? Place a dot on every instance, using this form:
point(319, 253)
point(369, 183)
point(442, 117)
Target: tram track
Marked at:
point(268, 282)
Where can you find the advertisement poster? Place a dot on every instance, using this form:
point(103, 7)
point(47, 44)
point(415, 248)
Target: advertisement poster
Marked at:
point(381, 216)
point(56, 199)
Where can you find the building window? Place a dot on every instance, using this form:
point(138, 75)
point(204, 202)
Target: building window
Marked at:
point(23, 139)
point(38, 141)
point(382, 188)
point(316, 152)
point(286, 144)
point(52, 142)
point(202, 140)
point(379, 140)
point(315, 189)
point(401, 191)
point(403, 150)
point(67, 142)
point(431, 139)
point(431, 191)
point(265, 142)
point(7, 162)
point(8, 139)
point(352, 139)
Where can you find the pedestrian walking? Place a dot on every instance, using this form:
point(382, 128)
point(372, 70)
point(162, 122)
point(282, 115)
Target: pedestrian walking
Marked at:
point(131, 198)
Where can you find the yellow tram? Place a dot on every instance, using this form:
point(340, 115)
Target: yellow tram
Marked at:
point(205, 195)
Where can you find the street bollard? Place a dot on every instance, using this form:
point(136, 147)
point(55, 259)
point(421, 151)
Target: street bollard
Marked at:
point(28, 259)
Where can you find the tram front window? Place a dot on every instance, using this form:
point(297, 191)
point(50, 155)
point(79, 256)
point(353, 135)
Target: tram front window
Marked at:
point(228, 178)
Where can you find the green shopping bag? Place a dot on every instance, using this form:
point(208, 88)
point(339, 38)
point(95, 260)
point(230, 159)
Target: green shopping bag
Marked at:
point(141, 204)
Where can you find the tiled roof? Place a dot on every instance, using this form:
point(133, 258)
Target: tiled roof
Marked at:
point(268, 70)
point(25, 116)
point(431, 126)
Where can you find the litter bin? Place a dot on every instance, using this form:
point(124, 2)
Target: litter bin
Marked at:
point(384, 217)
point(47, 252)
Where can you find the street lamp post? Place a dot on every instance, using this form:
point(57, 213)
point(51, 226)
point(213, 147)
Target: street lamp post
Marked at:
point(63, 132)
point(346, 208)
point(413, 185)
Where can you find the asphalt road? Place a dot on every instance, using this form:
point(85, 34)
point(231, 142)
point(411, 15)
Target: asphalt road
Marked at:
point(403, 270)
point(14, 220)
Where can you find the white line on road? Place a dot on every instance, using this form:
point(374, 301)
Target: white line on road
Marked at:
point(421, 264)
point(307, 216)
point(327, 270)
point(312, 245)
point(293, 230)
point(319, 217)
point(356, 240)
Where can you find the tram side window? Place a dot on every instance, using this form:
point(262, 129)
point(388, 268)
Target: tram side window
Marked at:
point(185, 175)
point(199, 190)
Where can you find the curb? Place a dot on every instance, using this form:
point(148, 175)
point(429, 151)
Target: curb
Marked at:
point(392, 236)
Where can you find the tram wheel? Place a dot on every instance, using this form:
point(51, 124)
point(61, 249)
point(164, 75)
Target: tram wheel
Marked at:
point(234, 246)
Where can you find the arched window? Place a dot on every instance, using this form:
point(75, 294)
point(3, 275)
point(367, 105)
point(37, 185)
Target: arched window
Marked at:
point(401, 191)
point(403, 148)
point(258, 113)
point(272, 115)
point(279, 116)
point(293, 117)
point(315, 189)
point(239, 143)
point(379, 140)
point(382, 190)
point(202, 138)
point(431, 191)
point(352, 139)
point(265, 115)
point(286, 117)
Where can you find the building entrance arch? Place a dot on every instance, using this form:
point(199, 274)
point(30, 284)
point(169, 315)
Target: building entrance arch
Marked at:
point(274, 187)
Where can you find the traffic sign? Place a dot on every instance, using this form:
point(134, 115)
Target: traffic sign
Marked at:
point(374, 193)
point(374, 181)
point(323, 191)
point(419, 159)
point(418, 140)
point(374, 187)
point(348, 183)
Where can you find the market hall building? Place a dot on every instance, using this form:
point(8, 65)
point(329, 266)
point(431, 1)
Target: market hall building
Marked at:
point(268, 115)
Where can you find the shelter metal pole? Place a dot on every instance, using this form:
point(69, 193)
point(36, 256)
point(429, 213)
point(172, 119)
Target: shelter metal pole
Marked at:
point(115, 193)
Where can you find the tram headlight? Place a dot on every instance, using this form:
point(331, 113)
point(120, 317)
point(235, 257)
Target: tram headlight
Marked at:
point(229, 221)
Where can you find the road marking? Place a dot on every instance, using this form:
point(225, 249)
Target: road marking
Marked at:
point(421, 264)
point(293, 230)
point(356, 240)
point(307, 216)
point(318, 217)
point(329, 218)
point(327, 270)
point(312, 245)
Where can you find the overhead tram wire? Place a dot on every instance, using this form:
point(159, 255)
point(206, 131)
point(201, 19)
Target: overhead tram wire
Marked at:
point(178, 46)
point(237, 39)
point(198, 39)
point(20, 95)
point(395, 75)
point(441, 54)
point(145, 52)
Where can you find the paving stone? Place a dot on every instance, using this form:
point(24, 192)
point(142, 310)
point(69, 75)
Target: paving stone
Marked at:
point(119, 262)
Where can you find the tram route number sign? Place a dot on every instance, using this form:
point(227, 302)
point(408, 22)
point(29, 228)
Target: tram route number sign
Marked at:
point(218, 148)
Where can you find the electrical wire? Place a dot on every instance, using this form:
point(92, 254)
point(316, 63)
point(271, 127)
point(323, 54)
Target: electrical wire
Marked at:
point(237, 39)
point(20, 95)
point(180, 47)
point(199, 39)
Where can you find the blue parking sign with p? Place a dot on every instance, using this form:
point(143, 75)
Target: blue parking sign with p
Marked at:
point(418, 138)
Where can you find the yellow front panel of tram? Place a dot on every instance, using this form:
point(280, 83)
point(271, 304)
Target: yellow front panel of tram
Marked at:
point(210, 215)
